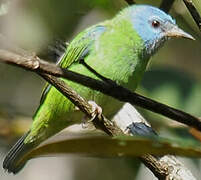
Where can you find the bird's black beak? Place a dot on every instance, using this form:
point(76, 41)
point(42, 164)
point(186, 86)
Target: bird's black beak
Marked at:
point(175, 31)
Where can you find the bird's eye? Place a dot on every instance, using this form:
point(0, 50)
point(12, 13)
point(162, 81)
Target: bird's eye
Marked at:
point(155, 24)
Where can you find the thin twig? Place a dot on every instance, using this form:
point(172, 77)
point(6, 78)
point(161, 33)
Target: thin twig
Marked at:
point(166, 5)
point(194, 12)
point(111, 89)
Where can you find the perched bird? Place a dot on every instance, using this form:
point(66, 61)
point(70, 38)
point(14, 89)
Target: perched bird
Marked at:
point(118, 49)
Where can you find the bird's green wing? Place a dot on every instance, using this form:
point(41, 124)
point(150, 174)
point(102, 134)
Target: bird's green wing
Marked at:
point(78, 49)
point(80, 46)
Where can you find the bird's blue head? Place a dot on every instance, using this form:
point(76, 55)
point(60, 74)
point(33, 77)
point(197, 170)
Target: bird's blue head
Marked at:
point(154, 26)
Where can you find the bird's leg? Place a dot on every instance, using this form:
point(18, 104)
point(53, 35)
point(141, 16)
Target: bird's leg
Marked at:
point(96, 112)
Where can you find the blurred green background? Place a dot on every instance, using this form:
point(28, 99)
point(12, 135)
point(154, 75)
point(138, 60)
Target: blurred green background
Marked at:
point(173, 78)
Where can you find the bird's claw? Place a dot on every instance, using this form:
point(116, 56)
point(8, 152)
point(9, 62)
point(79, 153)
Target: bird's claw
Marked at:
point(96, 112)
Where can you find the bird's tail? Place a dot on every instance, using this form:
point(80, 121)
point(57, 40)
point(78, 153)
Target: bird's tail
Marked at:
point(12, 162)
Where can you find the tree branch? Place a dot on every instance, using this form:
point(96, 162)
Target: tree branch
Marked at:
point(110, 88)
point(194, 12)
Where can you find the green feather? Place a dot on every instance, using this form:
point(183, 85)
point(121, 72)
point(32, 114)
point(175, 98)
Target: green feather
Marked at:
point(99, 51)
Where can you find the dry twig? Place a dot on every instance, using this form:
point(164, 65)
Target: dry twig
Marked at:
point(109, 87)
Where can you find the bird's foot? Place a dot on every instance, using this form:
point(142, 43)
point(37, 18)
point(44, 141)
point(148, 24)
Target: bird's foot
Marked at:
point(96, 112)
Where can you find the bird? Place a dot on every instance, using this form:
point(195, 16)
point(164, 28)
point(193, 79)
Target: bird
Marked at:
point(119, 49)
